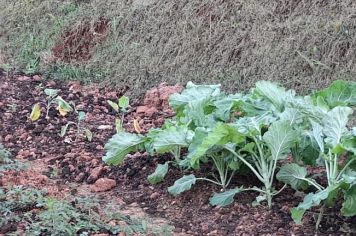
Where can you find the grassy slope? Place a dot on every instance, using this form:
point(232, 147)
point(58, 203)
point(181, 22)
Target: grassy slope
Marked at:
point(303, 44)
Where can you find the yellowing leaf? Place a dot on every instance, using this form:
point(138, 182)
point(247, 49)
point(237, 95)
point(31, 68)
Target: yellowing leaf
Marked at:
point(137, 127)
point(62, 111)
point(114, 105)
point(36, 112)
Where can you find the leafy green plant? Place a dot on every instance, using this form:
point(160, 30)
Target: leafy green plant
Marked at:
point(81, 130)
point(53, 99)
point(257, 131)
point(333, 140)
point(8, 163)
point(121, 106)
point(57, 217)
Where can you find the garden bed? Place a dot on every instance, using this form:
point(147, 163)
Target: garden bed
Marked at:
point(73, 159)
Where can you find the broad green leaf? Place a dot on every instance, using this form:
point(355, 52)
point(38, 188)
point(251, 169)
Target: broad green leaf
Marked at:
point(349, 205)
point(349, 142)
point(36, 112)
point(293, 175)
point(114, 105)
point(51, 92)
point(181, 185)
point(225, 105)
point(292, 115)
point(224, 198)
point(169, 139)
point(339, 93)
point(280, 138)
point(88, 134)
point(199, 135)
point(120, 145)
point(317, 135)
point(81, 115)
point(273, 93)
point(307, 109)
point(64, 129)
point(311, 200)
point(159, 174)
point(349, 177)
point(251, 126)
point(194, 111)
point(124, 102)
point(193, 93)
point(334, 125)
point(220, 135)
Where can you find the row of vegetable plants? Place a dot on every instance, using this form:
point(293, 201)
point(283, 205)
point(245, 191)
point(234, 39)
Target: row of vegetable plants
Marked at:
point(272, 132)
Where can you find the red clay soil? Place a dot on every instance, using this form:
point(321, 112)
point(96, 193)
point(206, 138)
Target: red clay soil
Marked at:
point(78, 160)
point(78, 43)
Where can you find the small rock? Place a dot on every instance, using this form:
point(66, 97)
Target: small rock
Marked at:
point(36, 78)
point(51, 84)
point(8, 138)
point(99, 147)
point(23, 154)
point(95, 173)
point(105, 127)
point(154, 195)
point(24, 78)
point(103, 184)
point(80, 177)
point(205, 227)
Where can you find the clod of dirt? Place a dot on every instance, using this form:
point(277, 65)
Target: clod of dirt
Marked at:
point(157, 99)
point(95, 173)
point(103, 184)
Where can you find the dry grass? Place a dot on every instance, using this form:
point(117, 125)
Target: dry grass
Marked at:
point(302, 44)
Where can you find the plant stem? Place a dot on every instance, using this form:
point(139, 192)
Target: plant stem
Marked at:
point(209, 180)
point(246, 163)
point(343, 169)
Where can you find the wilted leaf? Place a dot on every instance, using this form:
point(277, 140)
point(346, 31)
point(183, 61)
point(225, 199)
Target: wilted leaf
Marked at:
point(181, 185)
point(224, 198)
point(311, 200)
point(137, 126)
point(159, 174)
point(36, 112)
point(63, 106)
point(88, 134)
point(64, 130)
point(114, 105)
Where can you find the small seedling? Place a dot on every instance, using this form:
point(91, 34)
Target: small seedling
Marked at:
point(53, 99)
point(122, 106)
point(80, 129)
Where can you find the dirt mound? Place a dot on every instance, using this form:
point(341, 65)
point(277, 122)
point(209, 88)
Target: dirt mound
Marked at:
point(79, 42)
